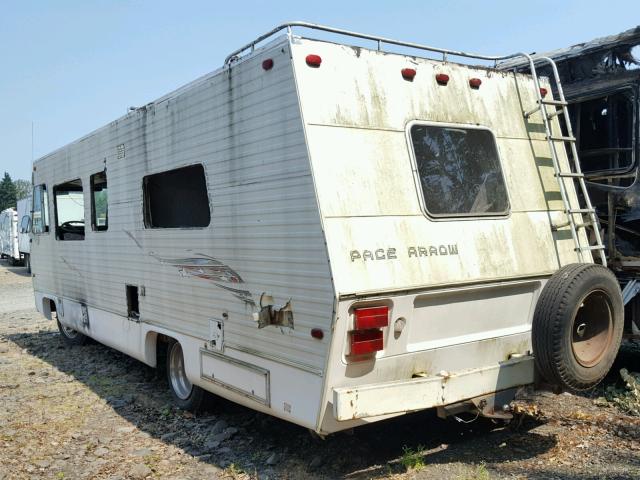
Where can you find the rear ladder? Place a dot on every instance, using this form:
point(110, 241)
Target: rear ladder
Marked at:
point(559, 107)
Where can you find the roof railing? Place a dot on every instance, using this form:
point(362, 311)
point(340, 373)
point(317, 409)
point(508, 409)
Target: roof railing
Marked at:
point(379, 40)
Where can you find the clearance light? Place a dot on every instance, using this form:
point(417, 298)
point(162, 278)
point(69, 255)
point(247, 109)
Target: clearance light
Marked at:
point(408, 73)
point(367, 341)
point(267, 64)
point(543, 92)
point(313, 60)
point(371, 317)
point(475, 83)
point(317, 333)
point(442, 78)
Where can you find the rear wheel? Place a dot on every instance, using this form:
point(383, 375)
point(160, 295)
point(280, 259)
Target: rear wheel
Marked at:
point(70, 336)
point(577, 326)
point(27, 262)
point(186, 395)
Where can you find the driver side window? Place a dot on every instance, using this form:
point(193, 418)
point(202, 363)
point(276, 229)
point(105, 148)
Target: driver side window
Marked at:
point(69, 209)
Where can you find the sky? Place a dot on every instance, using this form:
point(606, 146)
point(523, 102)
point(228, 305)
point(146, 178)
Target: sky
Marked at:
point(69, 67)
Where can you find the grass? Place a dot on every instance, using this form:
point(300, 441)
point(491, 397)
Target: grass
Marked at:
point(480, 473)
point(412, 459)
point(234, 472)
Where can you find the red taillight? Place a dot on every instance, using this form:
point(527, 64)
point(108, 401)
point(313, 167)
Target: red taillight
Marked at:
point(442, 78)
point(408, 73)
point(543, 92)
point(475, 83)
point(317, 333)
point(366, 341)
point(371, 317)
point(267, 64)
point(313, 60)
point(367, 336)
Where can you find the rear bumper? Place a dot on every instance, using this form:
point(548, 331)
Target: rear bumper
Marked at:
point(372, 400)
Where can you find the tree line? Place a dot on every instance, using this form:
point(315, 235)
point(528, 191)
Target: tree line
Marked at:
point(13, 190)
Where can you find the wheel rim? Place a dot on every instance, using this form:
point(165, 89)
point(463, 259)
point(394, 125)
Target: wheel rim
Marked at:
point(592, 329)
point(69, 332)
point(177, 375)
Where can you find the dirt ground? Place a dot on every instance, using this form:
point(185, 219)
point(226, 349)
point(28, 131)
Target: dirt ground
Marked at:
point(91, 412)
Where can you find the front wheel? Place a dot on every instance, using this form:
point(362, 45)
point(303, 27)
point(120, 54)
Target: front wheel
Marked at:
point(186, 395)
point(577, 326)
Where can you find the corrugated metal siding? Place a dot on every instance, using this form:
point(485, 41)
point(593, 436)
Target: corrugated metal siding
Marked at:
point(244, 126)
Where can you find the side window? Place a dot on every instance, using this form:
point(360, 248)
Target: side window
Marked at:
point(459, 170)
point(25, 224)
point(40, 220)
point(69, 209)
point(99, 202)
point(176, 199)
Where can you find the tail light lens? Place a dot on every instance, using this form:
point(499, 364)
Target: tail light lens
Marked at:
point(367, 337)
point(366, 341)
point(371, 317)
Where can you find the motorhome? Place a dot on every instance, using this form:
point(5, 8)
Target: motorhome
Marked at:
point(601, 82)
point(333, 235)
point(9, 236)
point(24, 231)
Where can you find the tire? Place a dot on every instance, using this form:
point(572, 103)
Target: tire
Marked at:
point(185, 395)
point(71, 337)
point(12, 262)
point(577, 326)
point(27, 262)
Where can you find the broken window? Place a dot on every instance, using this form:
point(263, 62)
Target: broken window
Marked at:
point(459, 171)
point(604, 131)
point(176, 199)
point(69, 209)
point(99, 202)
point(40, 219)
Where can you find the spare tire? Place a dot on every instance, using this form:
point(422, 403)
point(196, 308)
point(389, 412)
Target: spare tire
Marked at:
point(577, 326)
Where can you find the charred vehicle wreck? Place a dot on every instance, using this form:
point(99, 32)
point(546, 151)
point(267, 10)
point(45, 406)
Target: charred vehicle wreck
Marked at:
point(601, 81)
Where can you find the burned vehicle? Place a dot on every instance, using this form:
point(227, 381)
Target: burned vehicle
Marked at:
point(601, 80)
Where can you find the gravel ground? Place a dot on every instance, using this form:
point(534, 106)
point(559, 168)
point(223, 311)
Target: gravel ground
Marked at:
point(92, 412)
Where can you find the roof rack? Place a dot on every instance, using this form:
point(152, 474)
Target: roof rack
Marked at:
point(380, 40)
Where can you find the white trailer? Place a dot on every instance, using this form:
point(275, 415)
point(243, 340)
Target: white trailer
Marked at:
point(9, 235)
point(333, 235)
point(24, 230)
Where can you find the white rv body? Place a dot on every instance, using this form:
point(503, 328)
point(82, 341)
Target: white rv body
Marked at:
point(24, 226)
point(316, 210)
point(9, 235)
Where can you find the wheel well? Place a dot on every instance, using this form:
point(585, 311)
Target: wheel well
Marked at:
point(156, 348)
point(48, 306)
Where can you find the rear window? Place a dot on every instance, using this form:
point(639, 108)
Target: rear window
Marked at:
point(459, 171)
